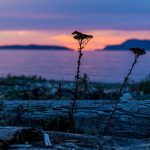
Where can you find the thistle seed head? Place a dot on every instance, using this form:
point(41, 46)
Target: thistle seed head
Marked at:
point(80, 36)
point(138, 51)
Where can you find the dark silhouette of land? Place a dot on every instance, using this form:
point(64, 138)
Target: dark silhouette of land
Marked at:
point(34, 47)
point(130, 43)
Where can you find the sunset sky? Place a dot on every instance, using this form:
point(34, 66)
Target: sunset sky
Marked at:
point(52, 21)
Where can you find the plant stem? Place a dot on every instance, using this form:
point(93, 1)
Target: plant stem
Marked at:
point(83, 39)
point(120, 93)
point(76, 96)
point(78, 70)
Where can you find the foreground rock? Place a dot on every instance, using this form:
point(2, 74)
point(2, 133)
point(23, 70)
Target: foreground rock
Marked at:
point(132, 118)
point(29, 138)
point(26, 138)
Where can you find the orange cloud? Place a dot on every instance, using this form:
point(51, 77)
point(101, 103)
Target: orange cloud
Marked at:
point(64, 38)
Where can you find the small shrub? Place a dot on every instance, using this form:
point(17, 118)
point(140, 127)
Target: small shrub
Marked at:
point(143, 86)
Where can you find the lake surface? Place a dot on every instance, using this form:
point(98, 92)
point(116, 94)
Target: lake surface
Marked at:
point(105, 66)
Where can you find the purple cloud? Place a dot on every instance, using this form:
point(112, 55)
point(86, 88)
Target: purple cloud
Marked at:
point(64, 14)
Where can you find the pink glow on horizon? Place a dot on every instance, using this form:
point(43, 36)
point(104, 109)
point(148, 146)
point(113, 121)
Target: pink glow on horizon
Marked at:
point(64, 38)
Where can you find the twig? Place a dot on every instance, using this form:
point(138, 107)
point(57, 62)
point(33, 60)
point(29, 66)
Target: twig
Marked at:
point(138, 52)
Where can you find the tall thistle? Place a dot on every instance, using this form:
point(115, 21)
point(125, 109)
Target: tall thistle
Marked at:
point(82, 39)
point(137, 53)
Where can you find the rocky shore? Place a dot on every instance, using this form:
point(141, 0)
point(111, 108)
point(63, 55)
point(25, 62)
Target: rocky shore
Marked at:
point(130, 126)
point(34, 114)
point(37, 88)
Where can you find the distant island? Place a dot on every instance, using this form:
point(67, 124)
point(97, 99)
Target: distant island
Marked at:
point(33, 47)
point(130, 43)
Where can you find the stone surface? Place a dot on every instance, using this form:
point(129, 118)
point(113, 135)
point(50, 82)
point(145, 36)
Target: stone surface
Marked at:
point(16, 138)
point(132, 118)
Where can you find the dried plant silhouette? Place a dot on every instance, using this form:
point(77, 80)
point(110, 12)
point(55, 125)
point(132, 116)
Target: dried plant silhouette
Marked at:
point(137, 53)
point(82, 40)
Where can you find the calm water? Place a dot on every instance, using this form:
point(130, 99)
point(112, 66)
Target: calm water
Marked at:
point(106, 66)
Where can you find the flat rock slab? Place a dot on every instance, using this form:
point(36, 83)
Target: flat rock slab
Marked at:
point(64, 141)
point(20, 138)
point(132, 118)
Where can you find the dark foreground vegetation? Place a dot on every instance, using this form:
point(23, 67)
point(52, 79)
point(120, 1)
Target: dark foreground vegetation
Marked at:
point(37, 88)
